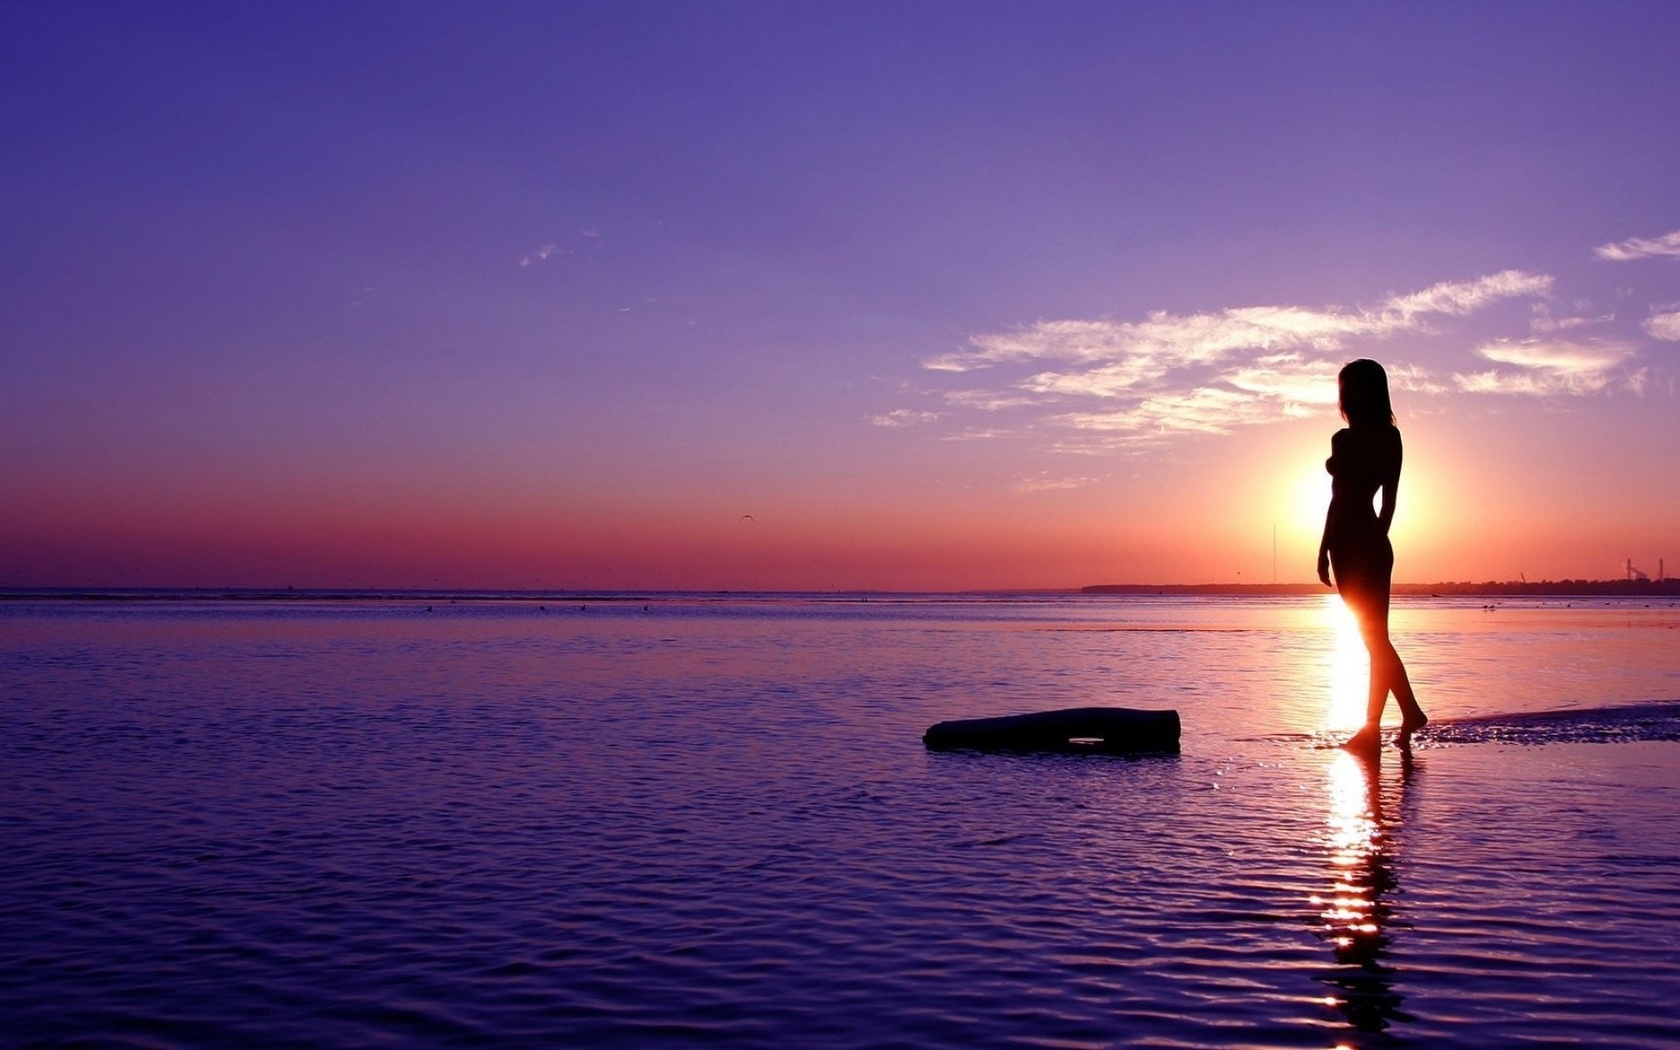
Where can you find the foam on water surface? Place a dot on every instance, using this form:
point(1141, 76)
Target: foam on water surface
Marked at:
point(1620, 724)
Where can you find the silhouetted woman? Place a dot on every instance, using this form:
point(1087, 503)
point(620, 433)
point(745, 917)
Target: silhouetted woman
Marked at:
point(1365, 460)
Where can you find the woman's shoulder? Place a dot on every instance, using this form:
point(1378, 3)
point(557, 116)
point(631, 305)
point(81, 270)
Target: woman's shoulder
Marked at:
point(1385, 435)
point(1374, 448)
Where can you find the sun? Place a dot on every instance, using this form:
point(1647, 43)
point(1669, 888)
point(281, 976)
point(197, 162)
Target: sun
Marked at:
point(1309, 498)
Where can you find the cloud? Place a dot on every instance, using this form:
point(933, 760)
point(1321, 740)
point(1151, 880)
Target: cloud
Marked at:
point(1459, 298)
point(540, 254)
point(1209, 372)
point(1287, 378)
point(1106, 386)
point(903, 417)
point(1542, 320)
point(1546, 367)
point(1111, 357)
point(989, 400)
point(1641, 248)
point(1415, 379)
point(1206, 410)
point(590, 237)
point(1664, 326)
point(1564, 324)
point(1048, 484)
point(1265, 390)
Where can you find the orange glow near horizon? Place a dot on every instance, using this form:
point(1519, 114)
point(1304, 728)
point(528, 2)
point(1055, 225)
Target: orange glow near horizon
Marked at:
point(1206, 517)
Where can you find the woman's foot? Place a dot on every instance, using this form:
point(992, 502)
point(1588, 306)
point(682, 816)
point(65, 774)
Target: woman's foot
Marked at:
point(1366, 740)
point(1413, 722)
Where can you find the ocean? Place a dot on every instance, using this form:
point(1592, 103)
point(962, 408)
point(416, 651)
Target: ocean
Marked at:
point(673, 820)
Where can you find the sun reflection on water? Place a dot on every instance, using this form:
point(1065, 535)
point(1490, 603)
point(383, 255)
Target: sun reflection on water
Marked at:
point(1354, 839)
point(1349, 668)
point(1353, 915)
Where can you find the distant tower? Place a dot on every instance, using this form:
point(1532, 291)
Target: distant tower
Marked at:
point(1630, 568)
point(1660, 576)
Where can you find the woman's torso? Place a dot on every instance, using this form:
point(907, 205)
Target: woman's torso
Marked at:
point(1362, 460)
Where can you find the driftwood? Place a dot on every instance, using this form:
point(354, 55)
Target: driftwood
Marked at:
point(1107, 729)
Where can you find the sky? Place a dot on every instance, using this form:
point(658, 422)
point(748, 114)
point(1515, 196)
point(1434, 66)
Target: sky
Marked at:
point(894, 296)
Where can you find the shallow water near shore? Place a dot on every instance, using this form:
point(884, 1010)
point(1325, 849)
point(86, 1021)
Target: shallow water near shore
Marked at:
point(711, 820)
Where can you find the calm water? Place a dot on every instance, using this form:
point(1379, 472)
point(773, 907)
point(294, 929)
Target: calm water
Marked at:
point(687, 821)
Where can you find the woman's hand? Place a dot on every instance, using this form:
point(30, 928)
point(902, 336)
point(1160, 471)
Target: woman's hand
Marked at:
point(1324, 567)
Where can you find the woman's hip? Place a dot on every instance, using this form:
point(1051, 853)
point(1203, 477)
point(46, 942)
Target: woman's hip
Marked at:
point(1371, 560)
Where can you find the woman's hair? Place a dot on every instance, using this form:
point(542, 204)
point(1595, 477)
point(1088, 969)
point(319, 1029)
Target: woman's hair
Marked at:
point(1363, 389)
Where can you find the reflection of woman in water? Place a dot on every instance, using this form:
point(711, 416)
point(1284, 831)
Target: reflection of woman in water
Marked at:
point(1365, 460)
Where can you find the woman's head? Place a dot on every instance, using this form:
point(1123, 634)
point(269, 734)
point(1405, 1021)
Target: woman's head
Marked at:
point(1362, 386)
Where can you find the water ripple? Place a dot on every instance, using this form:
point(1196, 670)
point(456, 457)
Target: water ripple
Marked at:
point(371, 828)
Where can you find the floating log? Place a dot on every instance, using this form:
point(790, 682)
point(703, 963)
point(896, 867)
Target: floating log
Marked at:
point(1113, 730)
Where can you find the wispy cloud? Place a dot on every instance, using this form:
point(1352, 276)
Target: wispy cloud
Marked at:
point(1106, 386)
point(1641, 248)
point(989, 400)
point(590, 238)
point(1459, 298)
point(1208, 372)
point(1266, 390)
point(1542, 320)
point(1415, 379)
point(1205, 410)
point(903, 417)
point(1664, 325)
point(1544, 367)
point(1050, 484)
point(1287, 378)
point(1115, 356)
point(540, 254)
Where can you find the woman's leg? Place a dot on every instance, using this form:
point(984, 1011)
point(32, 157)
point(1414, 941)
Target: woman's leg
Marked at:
point(1373, 628)
point(1412, 717)
point(1364, 585)
point(1368, 608)
point(1377, 696)
point(1388, 671)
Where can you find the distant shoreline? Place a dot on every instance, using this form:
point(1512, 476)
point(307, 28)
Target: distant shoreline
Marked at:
point(1632, 589)
point(1489, 589)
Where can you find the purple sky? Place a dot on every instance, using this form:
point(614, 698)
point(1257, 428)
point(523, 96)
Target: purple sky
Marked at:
point(943, 295)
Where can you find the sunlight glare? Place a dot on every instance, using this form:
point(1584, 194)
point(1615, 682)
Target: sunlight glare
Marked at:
point(1354, 836)
point(1349, 668)
point(1415, 508)
point(1309, 497)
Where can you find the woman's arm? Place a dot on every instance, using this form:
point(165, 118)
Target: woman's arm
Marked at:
point(1329, 512)
point(1324, 553)
point(1390, 489)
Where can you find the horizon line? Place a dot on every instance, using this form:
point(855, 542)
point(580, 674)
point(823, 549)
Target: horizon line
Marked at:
point(1567, 587)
